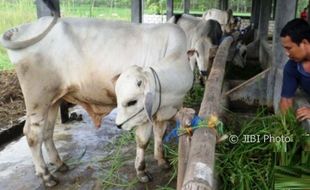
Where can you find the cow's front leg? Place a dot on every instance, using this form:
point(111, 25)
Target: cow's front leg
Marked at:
point(143, 134)
point(159, 131)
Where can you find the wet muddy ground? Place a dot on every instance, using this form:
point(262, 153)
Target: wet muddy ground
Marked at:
point(95, 157)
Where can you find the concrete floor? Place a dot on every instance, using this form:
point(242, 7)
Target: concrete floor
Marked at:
point(84, 149)
point(80, 145)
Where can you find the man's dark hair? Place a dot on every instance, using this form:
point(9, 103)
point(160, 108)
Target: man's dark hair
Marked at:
point(297, 29)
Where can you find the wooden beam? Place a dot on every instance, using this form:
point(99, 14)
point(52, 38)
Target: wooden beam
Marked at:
point(199, 171)
point(247, 82)
point(183, 152)
point(212, 94)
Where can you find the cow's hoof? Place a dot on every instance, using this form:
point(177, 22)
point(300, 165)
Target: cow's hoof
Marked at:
point(63, 168)
point(51, 181)
point(145, 177)
point(163, 164)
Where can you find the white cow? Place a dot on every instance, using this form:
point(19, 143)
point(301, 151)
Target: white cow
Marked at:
point(203, 38)
point(75, 59)
point(151, 96)
point(225, 18)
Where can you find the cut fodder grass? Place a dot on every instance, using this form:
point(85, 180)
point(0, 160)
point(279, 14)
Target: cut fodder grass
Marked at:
point(291, 178)
point(251, 164)
point(115, 161)
point(118, 167)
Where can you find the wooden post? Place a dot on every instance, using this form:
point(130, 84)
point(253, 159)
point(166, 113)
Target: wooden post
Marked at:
point(199, 171)
point(187, 5)
point(136, 11)
point(285, 11)
point(169, 9)
point(183, 152)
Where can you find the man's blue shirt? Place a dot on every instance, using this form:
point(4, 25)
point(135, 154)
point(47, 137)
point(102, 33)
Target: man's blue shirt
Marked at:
point(294, 76)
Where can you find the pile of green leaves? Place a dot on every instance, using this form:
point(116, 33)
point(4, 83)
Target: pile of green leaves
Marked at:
point(254, 165)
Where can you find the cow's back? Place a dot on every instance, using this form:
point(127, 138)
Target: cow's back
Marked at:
point(81, 56)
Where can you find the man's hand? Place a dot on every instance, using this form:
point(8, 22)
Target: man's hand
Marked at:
point(285, 104)
point(303, 113)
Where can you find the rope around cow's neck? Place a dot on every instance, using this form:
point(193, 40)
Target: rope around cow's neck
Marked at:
point(156, 79)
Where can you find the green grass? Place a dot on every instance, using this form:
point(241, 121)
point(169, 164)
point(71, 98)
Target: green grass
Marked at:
point(264, 164)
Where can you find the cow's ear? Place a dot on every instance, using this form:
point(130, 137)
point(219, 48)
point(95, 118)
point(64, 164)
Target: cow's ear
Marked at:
point(148, 105)
point(114, 79)
point(212, 51)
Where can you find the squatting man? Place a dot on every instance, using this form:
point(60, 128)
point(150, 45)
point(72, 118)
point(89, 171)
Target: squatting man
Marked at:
point(295, 38)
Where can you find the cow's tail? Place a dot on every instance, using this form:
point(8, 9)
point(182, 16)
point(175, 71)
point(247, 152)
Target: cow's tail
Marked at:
point(7, 42)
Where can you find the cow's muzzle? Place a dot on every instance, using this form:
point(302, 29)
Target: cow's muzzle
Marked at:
point(119, 126)
point(134, 115)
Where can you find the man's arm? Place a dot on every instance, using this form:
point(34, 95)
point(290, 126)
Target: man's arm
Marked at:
point(285, 104)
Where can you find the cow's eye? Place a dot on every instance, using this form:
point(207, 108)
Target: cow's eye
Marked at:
point(131, 103)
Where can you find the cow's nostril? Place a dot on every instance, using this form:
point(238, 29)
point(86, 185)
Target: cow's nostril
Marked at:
point(119, 126)
point(204, 73)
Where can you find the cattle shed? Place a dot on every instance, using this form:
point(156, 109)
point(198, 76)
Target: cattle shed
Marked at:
point(263, 89)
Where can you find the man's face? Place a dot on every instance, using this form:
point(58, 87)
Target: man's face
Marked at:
point(294, 51)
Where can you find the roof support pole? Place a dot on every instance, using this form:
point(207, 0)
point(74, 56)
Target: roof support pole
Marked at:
point(43, 10)
point(262, 33)
point(255, 12)
point(285, 11)
point(136, 11)
point(223, 4)
point(187, 5)
point(169, 9)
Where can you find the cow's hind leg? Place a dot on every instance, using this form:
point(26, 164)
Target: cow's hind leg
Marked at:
point(49, 142)
point(159, 131)
point(143, 134)
point(34, 131)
